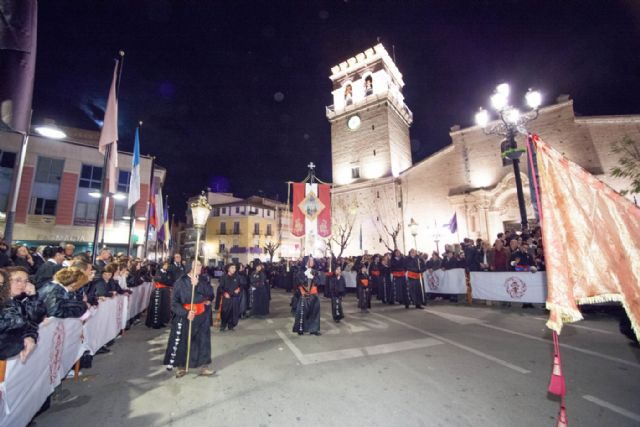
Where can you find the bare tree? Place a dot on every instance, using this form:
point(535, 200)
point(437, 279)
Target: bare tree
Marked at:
point(271, 249)
point(344, 215)
point(628, 165)
point(386, 217)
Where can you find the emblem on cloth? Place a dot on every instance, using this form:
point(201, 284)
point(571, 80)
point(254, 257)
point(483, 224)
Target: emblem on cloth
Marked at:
point(433, 281)
point(120, 306)
point(515, 287)
point(311, 206)
point(297, 227)
point(55, 358)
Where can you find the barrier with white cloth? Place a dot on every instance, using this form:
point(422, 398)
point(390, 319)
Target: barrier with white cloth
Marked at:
point(61, 342)
point(445, 281)
point(511, 286)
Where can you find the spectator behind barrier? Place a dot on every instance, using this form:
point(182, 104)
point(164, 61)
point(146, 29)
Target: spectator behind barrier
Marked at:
point(57, 295)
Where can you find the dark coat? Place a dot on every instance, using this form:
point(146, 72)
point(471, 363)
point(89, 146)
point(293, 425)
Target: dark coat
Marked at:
point(45, 273)
point(15, 326)
point(60, 303)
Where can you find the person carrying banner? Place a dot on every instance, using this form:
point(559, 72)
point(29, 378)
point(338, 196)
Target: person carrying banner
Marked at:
point(307, 317)
point(415, 268)
point(337, 288)
point(200, 316)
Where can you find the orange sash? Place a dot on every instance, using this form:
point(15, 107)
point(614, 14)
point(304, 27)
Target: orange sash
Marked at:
point(198, 307)
point(365, 282)
point(397, 273)
point(314, 290)
point(413, 275)
point(159, 285)
point(375, 273)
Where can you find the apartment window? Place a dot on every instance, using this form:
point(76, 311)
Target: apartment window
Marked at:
point(236, 227)
point(256, 228)
point(7, 159)
point(269, 212)
point(91, 176)
point(224, 211)
point(42, 206)
point(237, 209)
point(269, 230)
point(223, 228)
point(123, 181)
point(221, 248)
point(49, 170)
point(355, 173)
point(216, 212)
point(86, 211)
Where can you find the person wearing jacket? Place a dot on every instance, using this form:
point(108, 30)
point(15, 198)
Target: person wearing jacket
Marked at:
point(57, 294)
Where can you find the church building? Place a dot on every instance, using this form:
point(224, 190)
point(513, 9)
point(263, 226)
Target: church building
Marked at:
point(378, 190)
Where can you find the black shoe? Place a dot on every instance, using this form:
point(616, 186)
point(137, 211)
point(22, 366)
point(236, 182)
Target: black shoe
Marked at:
point(419, 307)
point(103, 350)
point(406, 306)
point(300, 333)
point(316, 333)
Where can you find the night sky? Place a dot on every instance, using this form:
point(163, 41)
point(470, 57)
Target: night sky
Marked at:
point(233, 92)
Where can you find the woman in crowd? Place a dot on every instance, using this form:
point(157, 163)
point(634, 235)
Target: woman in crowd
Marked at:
point(105, 286)
point(229, 299)
point(18, 333)
point(337, 288)
point(199, 314)
point(259, 292)
point(362, 287)
point(57, 294)
point(22, 258)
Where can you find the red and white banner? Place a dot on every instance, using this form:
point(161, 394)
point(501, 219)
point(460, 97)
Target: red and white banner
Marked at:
point(297, 226)
point(324, 217)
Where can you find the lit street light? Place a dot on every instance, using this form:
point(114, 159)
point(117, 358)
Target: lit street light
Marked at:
point(512, 121)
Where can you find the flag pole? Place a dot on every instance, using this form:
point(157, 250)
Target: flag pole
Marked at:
point(132, 210)
point(105, 165)
point(146, 235)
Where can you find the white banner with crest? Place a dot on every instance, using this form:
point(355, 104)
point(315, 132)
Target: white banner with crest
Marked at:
point(510, 286)
point(445, 281)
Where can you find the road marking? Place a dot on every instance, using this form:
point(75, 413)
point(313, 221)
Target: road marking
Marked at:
point(587, 328)
point(354, 328)
point(333, 330)
point(456, 344)
point(352, 353)
point(292, 347)
point(612, 407)
point(456, 318)
point(571, 347)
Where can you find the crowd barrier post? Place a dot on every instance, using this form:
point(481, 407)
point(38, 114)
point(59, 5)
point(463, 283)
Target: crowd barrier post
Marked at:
point(467, 279)
point(3, 370)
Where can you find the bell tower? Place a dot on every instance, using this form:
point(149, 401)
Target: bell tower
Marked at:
point(369, 119)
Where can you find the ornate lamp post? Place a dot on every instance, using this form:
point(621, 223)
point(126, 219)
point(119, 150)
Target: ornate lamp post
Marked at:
point(511, 122)
point(200, 213)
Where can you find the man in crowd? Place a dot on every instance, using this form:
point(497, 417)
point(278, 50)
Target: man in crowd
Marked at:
point(54, 256)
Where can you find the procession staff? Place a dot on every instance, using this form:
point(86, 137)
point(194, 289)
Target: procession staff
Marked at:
point(307, 316)
point(414, 278)
point(337, 287)
point(199, 314)
point(364, 291)
point(398, 273)
point(230, 297)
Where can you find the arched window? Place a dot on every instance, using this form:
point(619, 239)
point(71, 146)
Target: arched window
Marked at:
point(348, 94)
point(368, 85)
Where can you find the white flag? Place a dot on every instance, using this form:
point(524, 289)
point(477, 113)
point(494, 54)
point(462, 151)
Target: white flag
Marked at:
point(109, 134)
point(134, 179)
point(159, 210)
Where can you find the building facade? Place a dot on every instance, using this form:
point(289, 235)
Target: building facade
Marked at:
point(378, 190)
point(56, 200)
point(238, 230)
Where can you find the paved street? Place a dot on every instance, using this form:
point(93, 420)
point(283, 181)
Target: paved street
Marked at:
point(450, 365)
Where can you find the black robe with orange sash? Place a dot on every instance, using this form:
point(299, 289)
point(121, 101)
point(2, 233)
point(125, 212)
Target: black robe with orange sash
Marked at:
point(364, 291)
point(415, 267)
point(307, 317)
point(176, 353)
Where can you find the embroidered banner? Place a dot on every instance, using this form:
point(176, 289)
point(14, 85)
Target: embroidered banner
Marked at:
point(509, 286)
point(324, 217)
point(298, 217)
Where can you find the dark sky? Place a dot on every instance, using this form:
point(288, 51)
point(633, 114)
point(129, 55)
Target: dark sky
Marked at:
point(236, 90)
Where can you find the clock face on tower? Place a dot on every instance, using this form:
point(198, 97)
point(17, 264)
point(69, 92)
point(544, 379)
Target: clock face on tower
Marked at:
point(353, 122)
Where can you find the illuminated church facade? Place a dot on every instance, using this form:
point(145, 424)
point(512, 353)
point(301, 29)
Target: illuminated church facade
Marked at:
point(378, 189)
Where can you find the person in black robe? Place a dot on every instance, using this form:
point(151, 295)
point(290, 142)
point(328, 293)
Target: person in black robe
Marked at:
point(159, 310)
point(243, 281)
point(337, 288)
point(230, 299)
point(200, 316)
point(363, 289)
point(259, 292)
point(398, 272)
point(307, 317)
point(386, 281)
point(376, 280)
point(415, 267)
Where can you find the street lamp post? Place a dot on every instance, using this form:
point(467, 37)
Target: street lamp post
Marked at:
point(511, 122)
point(48, 131)
point(200, 212)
